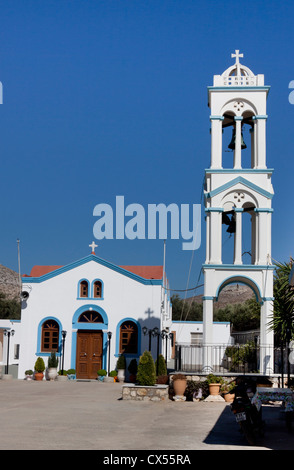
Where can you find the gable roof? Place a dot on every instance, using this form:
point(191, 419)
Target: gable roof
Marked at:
point(143, 274)
point(235, 181)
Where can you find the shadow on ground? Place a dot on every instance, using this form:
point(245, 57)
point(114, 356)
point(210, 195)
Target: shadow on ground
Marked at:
point(276, 437)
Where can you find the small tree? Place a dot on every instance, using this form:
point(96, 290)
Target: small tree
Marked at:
point(282, 322)
point(40, 365)
point(161, 366)
point(133, 367)
point(121, 362)
point(52, 360)
point(146, 370)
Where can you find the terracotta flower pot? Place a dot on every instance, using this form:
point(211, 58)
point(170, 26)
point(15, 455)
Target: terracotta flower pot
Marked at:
point(214, 389)
point(39, 376)
point(229, 397)
point(180, 386)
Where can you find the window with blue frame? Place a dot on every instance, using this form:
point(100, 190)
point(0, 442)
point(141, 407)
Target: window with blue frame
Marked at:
point(128, 340)
point(84, 289)
point(97, 289)
point(90, 316)
point(50, 336)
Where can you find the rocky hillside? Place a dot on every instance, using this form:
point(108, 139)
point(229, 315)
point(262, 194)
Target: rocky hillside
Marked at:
point(9, 282)
point(232, 294)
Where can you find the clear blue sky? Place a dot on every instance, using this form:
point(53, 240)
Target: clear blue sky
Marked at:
point(106, 98)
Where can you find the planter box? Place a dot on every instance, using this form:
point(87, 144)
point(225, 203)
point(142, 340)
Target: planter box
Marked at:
point(62, 378)
point(144, 392)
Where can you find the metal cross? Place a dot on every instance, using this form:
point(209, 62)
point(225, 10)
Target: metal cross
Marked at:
point(93, 246)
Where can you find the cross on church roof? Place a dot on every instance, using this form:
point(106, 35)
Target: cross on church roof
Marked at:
point(93, 246)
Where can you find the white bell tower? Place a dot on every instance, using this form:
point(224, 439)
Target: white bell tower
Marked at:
point(237, 100)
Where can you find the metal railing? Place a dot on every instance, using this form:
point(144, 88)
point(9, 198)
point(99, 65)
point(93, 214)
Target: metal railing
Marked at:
point(238, 358)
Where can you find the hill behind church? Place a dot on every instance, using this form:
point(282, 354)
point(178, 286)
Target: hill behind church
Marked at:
point(232, 294)
point(9, 282)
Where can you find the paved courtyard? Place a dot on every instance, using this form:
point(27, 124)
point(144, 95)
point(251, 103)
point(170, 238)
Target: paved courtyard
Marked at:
point(92, 416)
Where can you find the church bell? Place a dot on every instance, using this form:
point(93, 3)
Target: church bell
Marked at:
point(231, 222)
point(233, 141)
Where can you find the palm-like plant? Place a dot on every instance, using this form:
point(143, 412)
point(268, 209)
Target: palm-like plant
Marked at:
point(283, 316)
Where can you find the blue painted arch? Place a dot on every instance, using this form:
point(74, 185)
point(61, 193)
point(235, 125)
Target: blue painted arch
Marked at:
point(138, 353)
point(240, 279)
point(76, 325)
point(39, 337)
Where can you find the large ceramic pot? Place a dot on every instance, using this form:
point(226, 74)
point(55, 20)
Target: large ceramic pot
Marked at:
point(121, 375)
point(214, 389)
point(179, 386)
point(52, 373)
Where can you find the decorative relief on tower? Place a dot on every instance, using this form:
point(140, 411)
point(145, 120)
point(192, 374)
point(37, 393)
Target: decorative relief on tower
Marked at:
point(239, 196)
point(239, 105)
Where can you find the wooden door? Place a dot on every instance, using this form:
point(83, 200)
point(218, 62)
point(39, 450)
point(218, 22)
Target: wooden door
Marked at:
point(89, 354)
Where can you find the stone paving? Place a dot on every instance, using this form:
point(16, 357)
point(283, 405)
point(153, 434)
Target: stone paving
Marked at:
point(77, 415)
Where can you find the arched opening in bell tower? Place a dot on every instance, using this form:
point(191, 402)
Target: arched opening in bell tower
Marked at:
point(238, 130)
point(238, 300)
point(239, 228)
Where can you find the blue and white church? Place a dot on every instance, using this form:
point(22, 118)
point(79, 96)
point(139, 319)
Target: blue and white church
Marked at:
point(90, 312)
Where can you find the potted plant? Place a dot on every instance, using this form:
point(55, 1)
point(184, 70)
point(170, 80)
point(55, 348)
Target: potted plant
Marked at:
point(39, 369)
point(121, 367)
point(160, 365)
point(29, 374)
point(52, 366)
point(226, 390)
point(179, 384)
point(71, 374)
point(146, 374)
point(62, 376)
point(133, 368)
point(215, 382)
point(101, 374)
point(112, 376)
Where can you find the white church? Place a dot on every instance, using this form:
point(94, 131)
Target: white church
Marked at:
point(91, 311)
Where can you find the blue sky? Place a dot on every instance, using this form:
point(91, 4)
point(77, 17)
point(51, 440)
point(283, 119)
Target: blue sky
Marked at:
point(107, 98)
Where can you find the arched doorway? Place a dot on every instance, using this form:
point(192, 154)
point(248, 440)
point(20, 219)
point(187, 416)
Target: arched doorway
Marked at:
point(89, 341)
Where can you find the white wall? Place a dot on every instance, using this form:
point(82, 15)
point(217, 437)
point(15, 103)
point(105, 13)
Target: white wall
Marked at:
point(221, 331)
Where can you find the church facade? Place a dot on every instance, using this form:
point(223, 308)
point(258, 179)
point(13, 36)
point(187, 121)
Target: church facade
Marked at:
point(90, 312)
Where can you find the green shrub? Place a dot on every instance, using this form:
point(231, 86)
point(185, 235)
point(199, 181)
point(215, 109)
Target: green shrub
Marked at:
point(121, 362)
point(40, 365)
point(29, 372)
point(146, 370)
point(214, 379)
point(193, 388)
point(62, 372)
point(161, 366)
point(112, 373)
point(133, 367)
point(245, 353)
point(52, 360)
point(102, 372)
point(71, 372)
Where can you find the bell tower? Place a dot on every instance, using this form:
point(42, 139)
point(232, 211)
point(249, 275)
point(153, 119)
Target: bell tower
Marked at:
point(237, 100)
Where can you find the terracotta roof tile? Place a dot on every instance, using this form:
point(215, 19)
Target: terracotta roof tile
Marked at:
point(146, 272)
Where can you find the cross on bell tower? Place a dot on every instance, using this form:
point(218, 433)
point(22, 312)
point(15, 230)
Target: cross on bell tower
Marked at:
point(238, 99)
point(237, 55)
